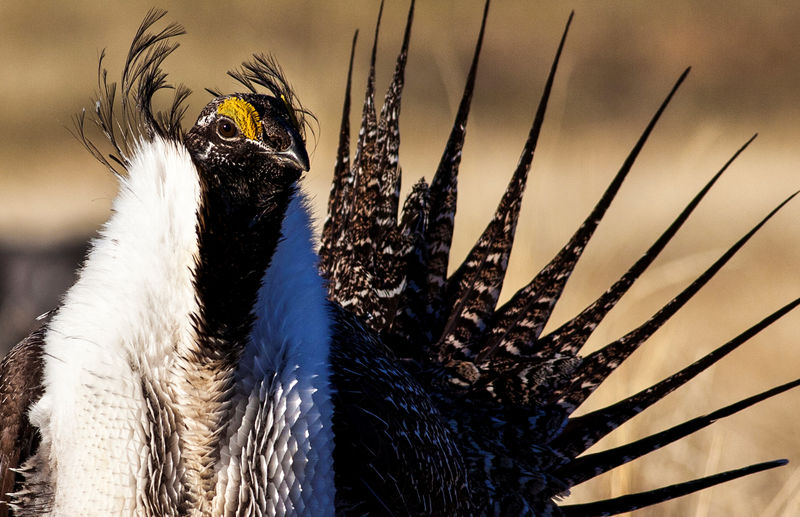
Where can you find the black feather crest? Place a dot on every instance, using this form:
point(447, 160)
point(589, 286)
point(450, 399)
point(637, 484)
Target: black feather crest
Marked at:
point(128, 117)
point(264, 71)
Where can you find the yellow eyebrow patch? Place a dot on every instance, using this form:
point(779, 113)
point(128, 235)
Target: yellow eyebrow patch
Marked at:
point(244, 115)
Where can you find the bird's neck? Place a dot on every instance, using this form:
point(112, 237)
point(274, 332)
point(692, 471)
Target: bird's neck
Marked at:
point(261, 355)
point(236, 246)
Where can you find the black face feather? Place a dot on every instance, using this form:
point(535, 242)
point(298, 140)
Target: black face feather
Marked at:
point(251, 171)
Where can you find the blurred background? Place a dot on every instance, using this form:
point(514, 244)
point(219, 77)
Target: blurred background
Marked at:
point(620, 60)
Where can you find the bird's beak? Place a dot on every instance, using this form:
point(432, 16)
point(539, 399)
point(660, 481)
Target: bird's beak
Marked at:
point(294, 155)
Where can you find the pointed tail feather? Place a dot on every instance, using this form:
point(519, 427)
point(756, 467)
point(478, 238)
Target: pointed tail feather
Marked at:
point(379, 206)
point(366, 149)
point(350, 241)
point(598, 365)
point(411, 329)
point(570, 337)
point(584, 431)
point(586, 467)
point(388, 144)
point(628, 503)
point(444, 187)
point(355, 282)
point(520, 321)
point(342, 180)
point(474, 288)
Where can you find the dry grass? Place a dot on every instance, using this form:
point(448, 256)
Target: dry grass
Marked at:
point(620, 60)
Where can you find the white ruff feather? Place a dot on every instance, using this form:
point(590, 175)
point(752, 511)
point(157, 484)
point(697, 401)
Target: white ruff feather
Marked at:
point(284, 410)
point(120, 327)
point(119, 323)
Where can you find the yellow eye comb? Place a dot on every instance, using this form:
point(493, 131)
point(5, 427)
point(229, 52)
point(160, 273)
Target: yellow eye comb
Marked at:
point(244, 115)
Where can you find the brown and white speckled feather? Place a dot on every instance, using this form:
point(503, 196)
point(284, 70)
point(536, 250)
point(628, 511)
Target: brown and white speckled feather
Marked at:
point(565, 342)
point(347, 272)
point(598, 365)
point(505, 392)
point(373, 242)
point(525, 315)
point(584, 430)
point(475, 286)
point(444, 188)
point(164, 467)
point(342, 182)
point(412, 324)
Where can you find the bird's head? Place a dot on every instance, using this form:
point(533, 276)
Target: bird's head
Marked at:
point(248, 147)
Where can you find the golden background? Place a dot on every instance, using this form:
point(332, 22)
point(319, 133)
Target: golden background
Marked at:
point(620, 60)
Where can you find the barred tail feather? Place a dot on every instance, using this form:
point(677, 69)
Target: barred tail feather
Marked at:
point(342, 177)
point(525, 315)
point(584, 431)
point(572, 335)
point(598, 365)
point(476, 284)
point(505, 391)
point(591, 465)
point(444, 188)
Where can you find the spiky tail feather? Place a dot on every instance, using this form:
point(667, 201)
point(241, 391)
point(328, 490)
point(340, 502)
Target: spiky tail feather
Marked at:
point(506, 391)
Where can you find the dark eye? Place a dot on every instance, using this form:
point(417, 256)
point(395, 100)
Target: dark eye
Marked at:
point(226, 128)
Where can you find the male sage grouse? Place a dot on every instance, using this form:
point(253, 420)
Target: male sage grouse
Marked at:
point(209, 362)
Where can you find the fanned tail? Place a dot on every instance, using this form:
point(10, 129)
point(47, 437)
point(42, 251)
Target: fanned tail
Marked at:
point(506, 391)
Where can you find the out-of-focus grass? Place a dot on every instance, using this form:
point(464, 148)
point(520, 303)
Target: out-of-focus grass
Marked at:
point(620, 60)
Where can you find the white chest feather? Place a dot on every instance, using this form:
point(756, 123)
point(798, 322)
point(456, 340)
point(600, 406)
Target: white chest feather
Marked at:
point(118, 324)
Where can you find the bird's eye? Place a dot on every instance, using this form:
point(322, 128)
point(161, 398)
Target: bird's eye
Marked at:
point(226, 128)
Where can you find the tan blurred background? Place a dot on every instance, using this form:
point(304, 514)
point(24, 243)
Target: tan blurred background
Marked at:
point(620, 60)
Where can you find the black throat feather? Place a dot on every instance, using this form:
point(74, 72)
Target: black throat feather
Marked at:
point(237, 237)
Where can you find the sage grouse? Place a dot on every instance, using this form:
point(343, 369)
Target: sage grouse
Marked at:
point(209, 362)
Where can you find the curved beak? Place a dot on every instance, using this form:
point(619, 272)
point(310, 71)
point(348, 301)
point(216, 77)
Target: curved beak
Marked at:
point(294, 154)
